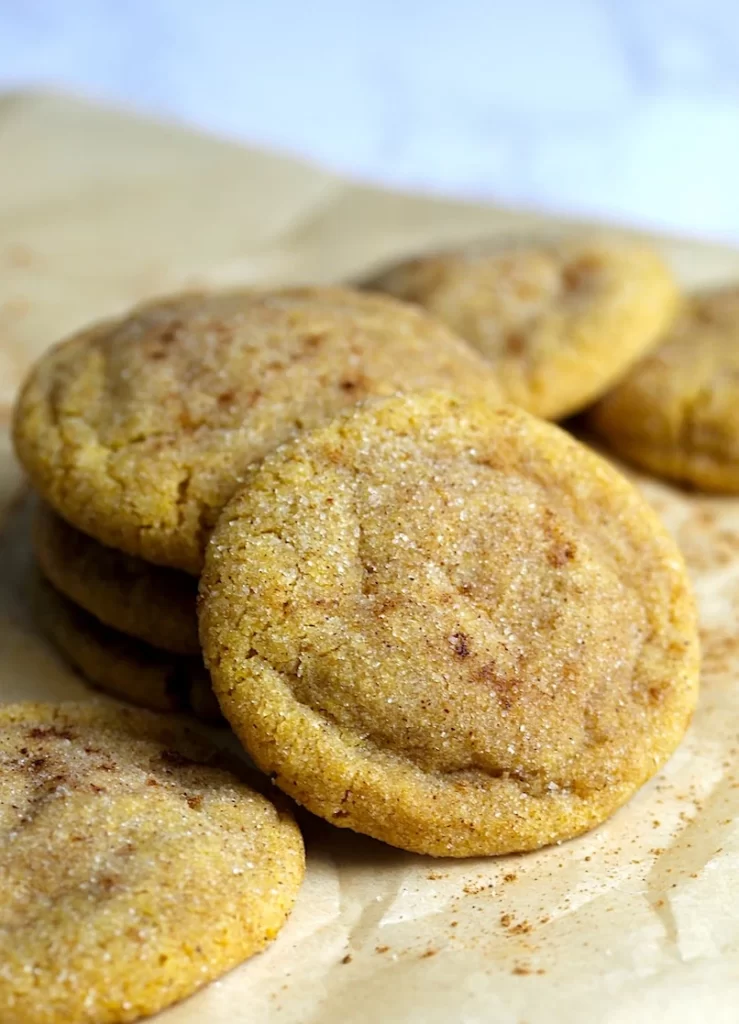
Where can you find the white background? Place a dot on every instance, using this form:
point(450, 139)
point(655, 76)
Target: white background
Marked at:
point(624, 108)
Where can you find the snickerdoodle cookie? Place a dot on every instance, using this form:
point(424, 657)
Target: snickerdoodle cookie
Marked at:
point(677, 412)
point(133, 869)
point(450, 626)
point(142, 600)
point(121, 665)
point(560, 320)
point(138, 431)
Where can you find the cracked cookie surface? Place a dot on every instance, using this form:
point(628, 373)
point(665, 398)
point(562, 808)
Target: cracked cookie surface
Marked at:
point(137, 431)
point(149, 602)
point(121, 665)
point(133, 870)
point(677, 412)
point(449, 626)
point(559, 321)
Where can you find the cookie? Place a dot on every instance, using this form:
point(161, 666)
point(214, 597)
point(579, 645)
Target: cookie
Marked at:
point(677, 412)
point(449, 626)
point(119, 664)
point(138, 431)
point(133, 869)
point(142, 600)
point(559, 320)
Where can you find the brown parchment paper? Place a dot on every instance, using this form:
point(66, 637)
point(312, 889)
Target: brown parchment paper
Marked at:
point(637, 921)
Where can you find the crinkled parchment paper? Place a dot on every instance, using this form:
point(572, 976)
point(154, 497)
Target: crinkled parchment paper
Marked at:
point(638, 921)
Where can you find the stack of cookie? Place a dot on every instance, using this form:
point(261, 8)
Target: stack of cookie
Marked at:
point(428, 615)
point(127, 625)
point(135, 433)
point(405, 597)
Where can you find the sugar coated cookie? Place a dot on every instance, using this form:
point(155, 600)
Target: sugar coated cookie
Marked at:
point(450, 626)
point(142, 600)
point(677, 412)
point(119, 664)
point(132, 869)
point(137, 431)
point(559, 321)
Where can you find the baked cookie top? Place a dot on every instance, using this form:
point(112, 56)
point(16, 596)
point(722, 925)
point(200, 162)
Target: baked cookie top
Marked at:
point(677, 412)
point(559, 320)
point(121, 665)
point(449, 626)
point(132, 870)
point(137, 431)
point(142, 600)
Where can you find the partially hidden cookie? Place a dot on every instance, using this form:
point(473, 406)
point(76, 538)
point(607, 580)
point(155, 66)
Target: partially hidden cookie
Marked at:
point(138, 431)
point(677, 412)
point(133, 869)
point(121, 665)
point(450, 626)
point(559, 320)
point(142, 600)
